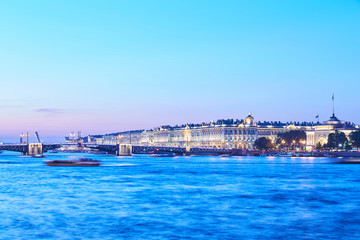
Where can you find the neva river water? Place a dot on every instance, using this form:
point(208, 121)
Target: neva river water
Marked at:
point(142, 197)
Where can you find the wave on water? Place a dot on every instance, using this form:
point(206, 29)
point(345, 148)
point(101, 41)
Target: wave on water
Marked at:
point(120, 165)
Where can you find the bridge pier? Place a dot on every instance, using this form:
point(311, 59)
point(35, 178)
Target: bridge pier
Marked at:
point(187, 151)
point(124, 150)
point(34, 149)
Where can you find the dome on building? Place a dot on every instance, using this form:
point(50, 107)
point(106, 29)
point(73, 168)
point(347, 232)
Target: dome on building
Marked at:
point(249, 120)
point(334, 121)
point(250, 116)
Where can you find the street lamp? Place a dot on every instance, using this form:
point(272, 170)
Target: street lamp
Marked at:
point(22, 138)
point(294, 144)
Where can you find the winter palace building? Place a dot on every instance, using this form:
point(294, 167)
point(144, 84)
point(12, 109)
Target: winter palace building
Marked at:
point(229, 133)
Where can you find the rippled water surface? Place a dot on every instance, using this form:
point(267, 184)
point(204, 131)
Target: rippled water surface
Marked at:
point(142, 197)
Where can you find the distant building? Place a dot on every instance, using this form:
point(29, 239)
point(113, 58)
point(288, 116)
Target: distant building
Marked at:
point(272, 129)
point(320, 132)
point(240, 134)
point(69, 140)
point(112, 138)
point(97, 139)
point(128, 137)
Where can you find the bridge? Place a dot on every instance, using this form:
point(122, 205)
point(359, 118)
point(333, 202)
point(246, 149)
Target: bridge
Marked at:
point(128, 150)
point(118, 149)
point(29, 149)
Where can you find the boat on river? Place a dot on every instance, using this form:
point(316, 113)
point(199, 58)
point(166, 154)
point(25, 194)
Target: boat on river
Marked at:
point(225, 155)
point(84, 162)
point(164, 155)
point(349, 161)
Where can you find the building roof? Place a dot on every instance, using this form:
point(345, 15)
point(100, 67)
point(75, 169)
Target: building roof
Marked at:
point(334, 121)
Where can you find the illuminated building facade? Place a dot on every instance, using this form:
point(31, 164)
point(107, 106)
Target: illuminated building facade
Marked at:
point(220, 134)
point(320, 132)
point(128, 137)
point(240, 134)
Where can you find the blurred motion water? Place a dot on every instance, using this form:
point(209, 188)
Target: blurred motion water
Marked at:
point(142, 197)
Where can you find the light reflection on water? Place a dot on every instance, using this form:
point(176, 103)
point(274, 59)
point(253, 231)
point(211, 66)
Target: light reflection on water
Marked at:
point(143, 197)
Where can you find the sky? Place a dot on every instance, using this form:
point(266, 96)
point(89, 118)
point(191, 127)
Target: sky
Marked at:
point(109, 66)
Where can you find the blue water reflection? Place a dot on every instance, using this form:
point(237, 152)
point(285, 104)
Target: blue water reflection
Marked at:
point(142, 197)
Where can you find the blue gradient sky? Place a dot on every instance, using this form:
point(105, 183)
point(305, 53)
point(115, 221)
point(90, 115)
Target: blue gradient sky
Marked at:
point(106, 66)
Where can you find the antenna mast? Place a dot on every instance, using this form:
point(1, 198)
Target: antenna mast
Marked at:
point(333, 100)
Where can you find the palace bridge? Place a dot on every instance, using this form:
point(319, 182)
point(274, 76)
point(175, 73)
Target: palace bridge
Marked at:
point(118, 149)
point(127, 149)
